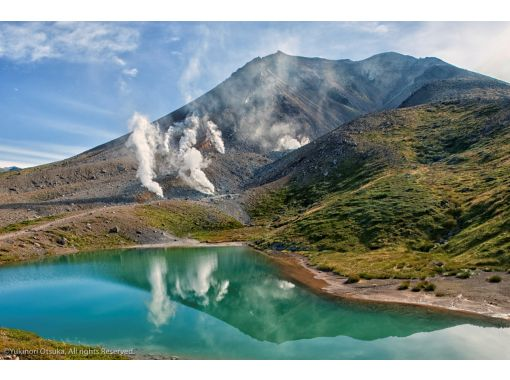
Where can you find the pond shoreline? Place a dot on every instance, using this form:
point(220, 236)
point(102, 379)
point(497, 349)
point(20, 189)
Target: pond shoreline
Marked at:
point(296, 268)
point(478, 297)
point(472, 296)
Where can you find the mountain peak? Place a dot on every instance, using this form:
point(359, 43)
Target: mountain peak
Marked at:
point(390, 55)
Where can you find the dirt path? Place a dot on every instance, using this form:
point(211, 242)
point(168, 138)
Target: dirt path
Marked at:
point(56, 222)
point(188, 243)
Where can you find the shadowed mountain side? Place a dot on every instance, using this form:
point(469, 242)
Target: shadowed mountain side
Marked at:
point(453, 89)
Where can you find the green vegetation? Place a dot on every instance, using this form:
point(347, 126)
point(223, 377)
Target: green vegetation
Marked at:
point(423, 285)
point(187, 219)
point(435, 188)
point(403, 285)
point(84, 241)
point(27, 223)
point(32, 346)
point(494, 279)
point(245, 234)
point(352, 280)
point(464, 274)
point(122, 227)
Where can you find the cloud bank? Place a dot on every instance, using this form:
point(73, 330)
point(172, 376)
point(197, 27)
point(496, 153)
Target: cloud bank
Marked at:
point(70, 41)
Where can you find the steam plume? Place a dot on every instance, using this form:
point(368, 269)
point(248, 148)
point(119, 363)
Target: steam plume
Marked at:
point(288, 142)
point(214, 135)
point(144, 138)
point(174, 151)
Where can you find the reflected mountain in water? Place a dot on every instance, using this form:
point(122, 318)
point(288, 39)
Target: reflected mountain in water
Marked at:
point(245, 290)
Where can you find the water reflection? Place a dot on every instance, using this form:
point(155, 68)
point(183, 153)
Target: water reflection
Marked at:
point(199, 291)
point(161, 309)
point(197, 282)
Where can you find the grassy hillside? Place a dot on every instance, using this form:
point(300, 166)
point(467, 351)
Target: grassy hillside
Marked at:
point(414, 191)
point(118, 226)
point(186, 219)
point(28, 345)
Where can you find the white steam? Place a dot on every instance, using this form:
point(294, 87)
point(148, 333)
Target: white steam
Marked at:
point(278, 137)
point(174, 151)
point(144, 140)
point(288, 142)
point(214, 135)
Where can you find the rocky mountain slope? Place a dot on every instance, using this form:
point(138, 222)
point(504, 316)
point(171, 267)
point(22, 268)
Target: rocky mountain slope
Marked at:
point(282, 95)
point(269, 105)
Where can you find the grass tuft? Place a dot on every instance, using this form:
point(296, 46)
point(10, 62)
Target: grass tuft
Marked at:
point(352, 280)
point(494, 279)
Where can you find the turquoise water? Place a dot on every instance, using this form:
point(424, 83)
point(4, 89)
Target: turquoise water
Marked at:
point(223, 303)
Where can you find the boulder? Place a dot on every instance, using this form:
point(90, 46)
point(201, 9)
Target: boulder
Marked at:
point(114, 230)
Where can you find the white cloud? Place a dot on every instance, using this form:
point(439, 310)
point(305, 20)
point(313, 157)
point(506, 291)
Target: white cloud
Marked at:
point(199, 60)
point(71, 127)
point(119, 61)
point(70, 41)
point(133, 72)
point(477, 46)
point(19, 164)
point(30, 153)
point(70, 103)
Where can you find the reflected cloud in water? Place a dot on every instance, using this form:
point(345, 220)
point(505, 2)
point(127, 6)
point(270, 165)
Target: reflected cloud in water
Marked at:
point(161, 309)
point(198, 283)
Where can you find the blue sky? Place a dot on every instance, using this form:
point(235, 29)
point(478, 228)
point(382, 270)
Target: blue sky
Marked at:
point(67, 87)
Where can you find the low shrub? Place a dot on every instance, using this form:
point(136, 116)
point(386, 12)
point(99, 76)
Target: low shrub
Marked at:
point(494, 279)
point(324, 268)
point(351, 280)
point(403, 285)
point(365, 276)
point(463, 275)
point(424, 285)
